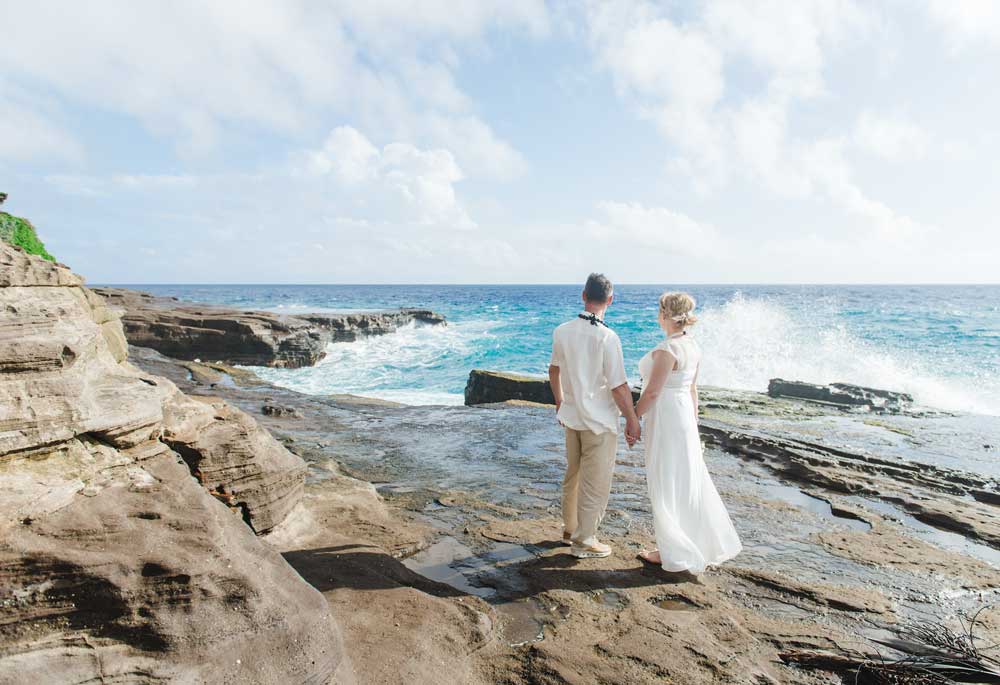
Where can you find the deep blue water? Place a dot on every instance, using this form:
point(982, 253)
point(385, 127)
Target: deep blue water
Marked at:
point(942, 343)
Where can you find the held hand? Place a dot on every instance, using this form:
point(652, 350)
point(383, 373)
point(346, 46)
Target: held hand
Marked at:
point(633, 431)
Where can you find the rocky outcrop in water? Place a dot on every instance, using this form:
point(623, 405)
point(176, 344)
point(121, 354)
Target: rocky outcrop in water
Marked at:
point(188, 331)
point(489, 387)
point(116, 565)
point(842, 395)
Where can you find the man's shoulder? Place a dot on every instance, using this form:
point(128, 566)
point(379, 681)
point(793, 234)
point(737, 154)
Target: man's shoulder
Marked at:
point(608, 334)
point(566, 326)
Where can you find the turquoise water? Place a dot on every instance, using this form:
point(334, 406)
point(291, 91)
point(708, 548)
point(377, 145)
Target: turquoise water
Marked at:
point(941, 343)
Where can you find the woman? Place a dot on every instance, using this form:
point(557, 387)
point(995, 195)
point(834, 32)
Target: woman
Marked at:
point(693, 529)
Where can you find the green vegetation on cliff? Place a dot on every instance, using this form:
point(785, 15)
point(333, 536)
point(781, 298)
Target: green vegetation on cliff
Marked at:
point(20, 232)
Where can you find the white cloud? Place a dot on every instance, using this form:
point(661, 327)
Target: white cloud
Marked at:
point(347, 154)
point(423, 180)
point(826, 166)
point(890, 137)
point(632, 226)
point(772, 119)
point(29, 132)
point(968, 22)
point(189, 69)
point(787, 40)
point(674, 72)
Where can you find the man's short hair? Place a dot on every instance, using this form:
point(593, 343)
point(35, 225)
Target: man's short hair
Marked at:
point(598, 288)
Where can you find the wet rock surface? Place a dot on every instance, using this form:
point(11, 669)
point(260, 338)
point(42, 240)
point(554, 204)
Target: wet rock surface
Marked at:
point(116, 565)
point(842, 395)
point(831, 506)
point(218, 334)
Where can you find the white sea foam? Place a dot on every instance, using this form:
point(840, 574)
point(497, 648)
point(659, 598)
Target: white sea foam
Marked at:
point(748, 341)
point(411, 366)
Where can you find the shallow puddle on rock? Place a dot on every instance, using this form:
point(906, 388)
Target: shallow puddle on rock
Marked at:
point(504, 553)
point(610, 599)
point(449, 561)
point(524, 621)
point(940, 538)
point(675, 604)
point(793, 495)
point(438, 562)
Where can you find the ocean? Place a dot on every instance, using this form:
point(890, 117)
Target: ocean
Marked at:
point(940, 343)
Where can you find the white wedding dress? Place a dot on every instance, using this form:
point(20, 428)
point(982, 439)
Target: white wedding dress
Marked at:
point(693, 529)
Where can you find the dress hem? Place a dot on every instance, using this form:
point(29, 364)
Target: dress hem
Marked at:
point(694, 569)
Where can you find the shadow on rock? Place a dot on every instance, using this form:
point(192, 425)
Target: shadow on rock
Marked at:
point(360, 567)
point(566, 572)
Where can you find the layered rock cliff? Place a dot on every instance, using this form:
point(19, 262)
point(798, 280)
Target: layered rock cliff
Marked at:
point(116, 564)
point(233, 336)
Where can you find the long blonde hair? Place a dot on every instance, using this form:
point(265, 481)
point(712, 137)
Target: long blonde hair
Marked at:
point(679, 307)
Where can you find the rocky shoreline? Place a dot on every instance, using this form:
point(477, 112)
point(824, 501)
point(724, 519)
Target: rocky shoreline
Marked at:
point(173, 520)
point(830, 561)
point(234, 336)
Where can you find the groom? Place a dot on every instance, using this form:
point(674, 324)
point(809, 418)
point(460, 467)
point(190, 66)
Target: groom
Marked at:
point(587, 375)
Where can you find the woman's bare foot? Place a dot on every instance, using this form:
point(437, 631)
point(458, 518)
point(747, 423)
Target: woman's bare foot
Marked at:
point(652, 557)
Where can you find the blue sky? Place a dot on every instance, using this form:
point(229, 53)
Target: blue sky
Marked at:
point(518, 141)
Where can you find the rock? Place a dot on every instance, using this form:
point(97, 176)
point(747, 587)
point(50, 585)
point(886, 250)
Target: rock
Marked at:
point(115, 564)
point(351, 327)
point(950, 499)
point(17, 268)
point(488, 387)
point(841, 394)
point(280, 412)
point(190, 332)
point(237, 460)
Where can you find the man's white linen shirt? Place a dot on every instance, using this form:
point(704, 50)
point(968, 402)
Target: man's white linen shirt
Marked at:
point(590, 364)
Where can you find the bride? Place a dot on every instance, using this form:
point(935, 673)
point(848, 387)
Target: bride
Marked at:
point(693, 529)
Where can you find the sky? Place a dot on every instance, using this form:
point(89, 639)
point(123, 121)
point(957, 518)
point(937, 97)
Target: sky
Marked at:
point(506, 141)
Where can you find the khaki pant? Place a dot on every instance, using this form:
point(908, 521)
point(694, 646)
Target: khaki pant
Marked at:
point(590, 461)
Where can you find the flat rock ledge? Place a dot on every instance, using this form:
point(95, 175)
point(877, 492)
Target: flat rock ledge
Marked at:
point(233, 336)
point(116, 565)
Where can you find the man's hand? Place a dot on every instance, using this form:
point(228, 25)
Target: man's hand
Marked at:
point(623, 398)
point(633, 431)
point(556, 389)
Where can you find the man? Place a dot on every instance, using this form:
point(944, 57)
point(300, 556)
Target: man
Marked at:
point(587, 375)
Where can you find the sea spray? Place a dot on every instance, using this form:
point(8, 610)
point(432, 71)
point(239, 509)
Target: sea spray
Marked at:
point(747, 341)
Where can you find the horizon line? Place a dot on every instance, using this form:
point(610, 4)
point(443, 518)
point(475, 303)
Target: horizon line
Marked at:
point(508, 284)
